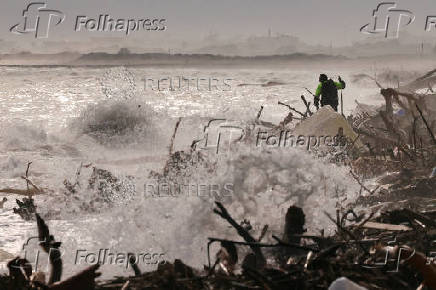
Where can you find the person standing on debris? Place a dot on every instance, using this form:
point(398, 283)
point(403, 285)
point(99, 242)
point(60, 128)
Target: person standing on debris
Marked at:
point(328, 90)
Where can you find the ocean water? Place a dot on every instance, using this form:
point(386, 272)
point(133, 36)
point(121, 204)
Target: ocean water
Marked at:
point(62, 119)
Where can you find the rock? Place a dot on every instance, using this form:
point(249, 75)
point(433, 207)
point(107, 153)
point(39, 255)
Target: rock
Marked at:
point(345, 284)
point(326, 122)
point(389, 178)
point(5, 256)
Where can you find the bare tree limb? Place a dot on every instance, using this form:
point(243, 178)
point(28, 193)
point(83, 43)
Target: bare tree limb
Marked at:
point(430, 132)
point(222, 212)
point(173, 137)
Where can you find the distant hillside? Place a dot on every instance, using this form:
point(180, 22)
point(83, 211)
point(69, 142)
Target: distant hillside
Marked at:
point(27, 58)
point(194, 59)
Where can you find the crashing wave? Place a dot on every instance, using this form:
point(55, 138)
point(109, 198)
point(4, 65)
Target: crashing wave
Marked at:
point(115, 122)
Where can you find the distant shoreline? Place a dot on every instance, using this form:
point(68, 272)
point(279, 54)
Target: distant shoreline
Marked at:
point(101, 59)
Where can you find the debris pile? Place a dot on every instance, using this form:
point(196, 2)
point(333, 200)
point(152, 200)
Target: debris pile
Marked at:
point(401, 145)
point(391, 251)
point(400, 134)
point(387, 252)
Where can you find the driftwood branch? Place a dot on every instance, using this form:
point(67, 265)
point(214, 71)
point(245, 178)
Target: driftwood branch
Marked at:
point(24, 192)
point(132, 263)
point(430, 132)
point(222, 212)
point(371, 192)
point(307, 104)
point(173, 137)
point(51, 247)
point(292, 109)
point(259, 113)
point(27, 174)
point(35, 190)
point(28, 181)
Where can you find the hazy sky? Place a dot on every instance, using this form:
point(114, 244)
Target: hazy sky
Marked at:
point(313, 21)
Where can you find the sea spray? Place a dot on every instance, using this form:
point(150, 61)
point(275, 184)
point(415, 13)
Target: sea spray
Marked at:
point(264, 184)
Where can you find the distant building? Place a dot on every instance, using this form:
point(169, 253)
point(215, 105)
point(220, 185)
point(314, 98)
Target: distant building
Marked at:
point(124, 51)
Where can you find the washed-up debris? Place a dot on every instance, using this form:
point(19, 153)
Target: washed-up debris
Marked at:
point(397, 255)
point(24, 192)
point(267, 84)
point(26, 208)
point(31, 189)
point(387, 227)
point(401, 147)
point(370, 257)
point(370, 251)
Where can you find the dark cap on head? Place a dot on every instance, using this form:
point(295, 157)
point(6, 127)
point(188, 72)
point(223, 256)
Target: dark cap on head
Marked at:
point(323, 77)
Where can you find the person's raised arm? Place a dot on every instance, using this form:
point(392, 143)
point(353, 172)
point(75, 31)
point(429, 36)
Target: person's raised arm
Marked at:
point(318, 90)
point(341, 84)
